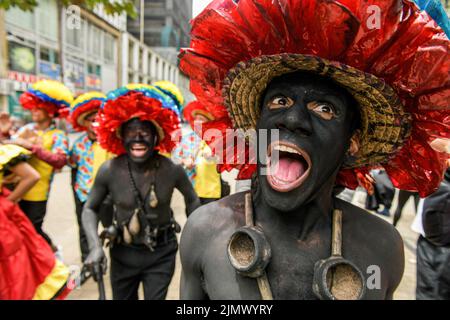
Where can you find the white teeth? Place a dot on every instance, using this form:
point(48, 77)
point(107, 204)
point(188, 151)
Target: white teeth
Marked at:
point(284, 148)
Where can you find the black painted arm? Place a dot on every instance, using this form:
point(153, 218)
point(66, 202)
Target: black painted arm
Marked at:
point(90, 217)
point(185, 187)
point(191, 287)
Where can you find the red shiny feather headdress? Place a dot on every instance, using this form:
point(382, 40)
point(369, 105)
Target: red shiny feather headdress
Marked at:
point(141, 101)
point(389, 44)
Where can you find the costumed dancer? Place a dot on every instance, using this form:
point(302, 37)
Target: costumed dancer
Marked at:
point(199, 163)
point(136, 123)
point(344, 96)
point(86, 157)
point(49, 146)
point(28, 267)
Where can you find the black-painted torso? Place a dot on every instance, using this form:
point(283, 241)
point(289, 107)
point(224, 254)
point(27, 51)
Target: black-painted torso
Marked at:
point(147, 168)
point(167, 177)
point(125, 202)
point(207, 272)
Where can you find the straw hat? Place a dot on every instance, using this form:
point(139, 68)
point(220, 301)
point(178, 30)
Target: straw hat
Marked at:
point(398, 74)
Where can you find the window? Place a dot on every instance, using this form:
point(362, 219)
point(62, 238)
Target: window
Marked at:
point(24, 19)
point(130, 54)
point(154, 22)
point(109, 48)
point(74, 36)
point(154, 4)
point(94, 69)
point(140, 58)
point(49, 55)
point(95, 43)
point(47, 15)
point(153, 39)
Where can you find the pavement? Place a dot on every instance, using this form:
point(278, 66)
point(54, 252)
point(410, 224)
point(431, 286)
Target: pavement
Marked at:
point(62, 227)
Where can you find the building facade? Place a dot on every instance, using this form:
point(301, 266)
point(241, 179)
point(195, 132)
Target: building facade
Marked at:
point(142, 64)
point(165, 25)
point(87, 50)
point(70, 44)
point(91, 50)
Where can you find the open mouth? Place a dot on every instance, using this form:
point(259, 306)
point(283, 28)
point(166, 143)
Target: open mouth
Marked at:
point(288, 166)
point(138, 150)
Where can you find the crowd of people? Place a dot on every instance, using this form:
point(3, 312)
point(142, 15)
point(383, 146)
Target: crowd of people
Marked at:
point(351, 108)
point(33, 153)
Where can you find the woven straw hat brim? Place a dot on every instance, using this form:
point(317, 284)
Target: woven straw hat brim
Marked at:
point(84, 115)
point(385, 125)
point(204, 113)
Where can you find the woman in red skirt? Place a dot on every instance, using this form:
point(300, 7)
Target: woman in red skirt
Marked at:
point(28, 267)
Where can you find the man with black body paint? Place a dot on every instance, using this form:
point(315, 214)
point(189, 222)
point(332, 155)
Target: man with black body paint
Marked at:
point(293, 205)
point(134, 263)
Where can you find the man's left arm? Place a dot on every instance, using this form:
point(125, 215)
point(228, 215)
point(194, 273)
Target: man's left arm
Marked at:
point(185, 187)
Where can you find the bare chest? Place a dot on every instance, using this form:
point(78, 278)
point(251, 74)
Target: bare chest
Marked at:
point(290, 271)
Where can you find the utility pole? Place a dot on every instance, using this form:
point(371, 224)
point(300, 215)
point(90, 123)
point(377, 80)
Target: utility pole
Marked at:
point(141, 22)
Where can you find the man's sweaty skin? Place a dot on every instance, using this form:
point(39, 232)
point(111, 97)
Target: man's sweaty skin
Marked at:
point(113, 177)
point(318, 117)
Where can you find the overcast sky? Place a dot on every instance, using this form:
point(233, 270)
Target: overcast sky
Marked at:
point(198, 6)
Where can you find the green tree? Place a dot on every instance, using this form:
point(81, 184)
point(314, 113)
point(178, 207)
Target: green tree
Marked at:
point(110, 7)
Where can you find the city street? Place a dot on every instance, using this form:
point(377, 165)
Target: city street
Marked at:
point(320, 91)
point(61, 225)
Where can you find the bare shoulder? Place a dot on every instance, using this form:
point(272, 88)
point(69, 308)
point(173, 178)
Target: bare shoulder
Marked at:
point(106, 169)
point(115, 162)
point(366, 222)
point(376, 238)
point(218, 215)
point(166, 162)
point(210, 222)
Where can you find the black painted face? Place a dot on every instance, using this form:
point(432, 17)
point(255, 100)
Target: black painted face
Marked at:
point(139, 139)
point(315, 119)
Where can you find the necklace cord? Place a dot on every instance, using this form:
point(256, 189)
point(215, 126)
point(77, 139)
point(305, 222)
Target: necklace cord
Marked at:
point(263, 282)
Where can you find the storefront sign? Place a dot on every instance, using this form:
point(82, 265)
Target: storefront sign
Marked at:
point(93, 82)
point(74, 74)
point(50, 70)
point(21, 58)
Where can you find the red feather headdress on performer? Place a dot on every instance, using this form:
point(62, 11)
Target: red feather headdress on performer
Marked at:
point(389, 55)
point(141, 101)
point(52, 96)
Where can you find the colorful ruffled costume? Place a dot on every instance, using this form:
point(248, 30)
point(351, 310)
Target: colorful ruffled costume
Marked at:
point(393, 59)
point(141, 101)
point(28, 267)
point(204, 176)
point(86, 156)
point(50, 146)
